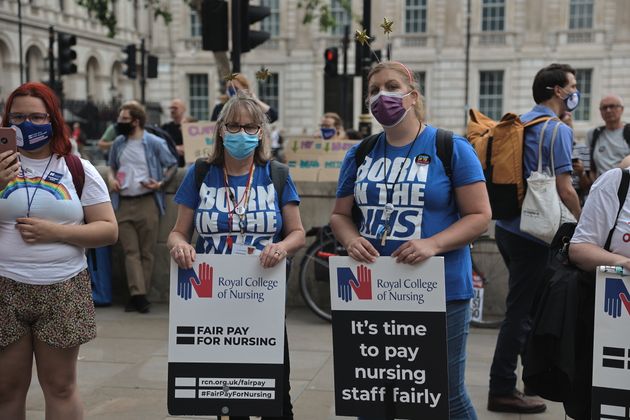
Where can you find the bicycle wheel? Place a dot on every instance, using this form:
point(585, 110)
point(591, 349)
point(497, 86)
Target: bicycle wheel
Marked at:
point(489, 265)
point(315, 277)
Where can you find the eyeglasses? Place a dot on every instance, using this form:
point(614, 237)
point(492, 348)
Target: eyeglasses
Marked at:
point(610, 107)
point(248, 128)
point(35, 118)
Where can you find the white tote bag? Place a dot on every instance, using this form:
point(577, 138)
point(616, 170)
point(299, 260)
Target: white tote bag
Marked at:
point(543, 211)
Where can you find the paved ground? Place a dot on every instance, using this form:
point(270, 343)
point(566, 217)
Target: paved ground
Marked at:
point(122, 373)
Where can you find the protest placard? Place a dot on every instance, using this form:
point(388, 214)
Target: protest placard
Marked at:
point(226, 337)
point(611, 345)
point(198, 139)
point(389, 338)
point(316, 159)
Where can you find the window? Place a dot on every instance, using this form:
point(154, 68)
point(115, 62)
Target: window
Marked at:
point(271, 24)
point(581, 14)
point(415, 16)
point(421, 79)
point(493, 16)
point(491, 93)
point(583, 78)
point(341, 16)
point(198, 94)
point(268, 91)
point(195, 24)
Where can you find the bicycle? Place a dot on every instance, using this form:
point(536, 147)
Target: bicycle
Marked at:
point(314, 277)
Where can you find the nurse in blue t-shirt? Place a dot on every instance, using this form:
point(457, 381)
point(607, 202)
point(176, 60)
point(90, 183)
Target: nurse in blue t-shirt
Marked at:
point(412, 210)
point(236, 210)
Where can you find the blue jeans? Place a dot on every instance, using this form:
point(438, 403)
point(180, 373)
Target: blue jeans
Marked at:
point(526, 261)
point(457, 325)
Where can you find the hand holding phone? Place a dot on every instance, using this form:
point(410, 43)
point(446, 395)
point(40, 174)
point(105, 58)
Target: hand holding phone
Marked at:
point(9, 166)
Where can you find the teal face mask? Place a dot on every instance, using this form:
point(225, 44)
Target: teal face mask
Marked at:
point(240, 145)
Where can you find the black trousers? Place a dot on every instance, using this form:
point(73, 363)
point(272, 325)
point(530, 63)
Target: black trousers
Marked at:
point(287, 407)
point(526, 261)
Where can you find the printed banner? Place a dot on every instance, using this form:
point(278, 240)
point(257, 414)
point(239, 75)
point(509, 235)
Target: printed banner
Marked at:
point(198, 139)
point(389, 338)
point(611, 346)
point(226, 337)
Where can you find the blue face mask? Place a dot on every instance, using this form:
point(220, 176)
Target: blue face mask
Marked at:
point(31, 136)
point(328, 133)
point(240, 145)
point(231, 91)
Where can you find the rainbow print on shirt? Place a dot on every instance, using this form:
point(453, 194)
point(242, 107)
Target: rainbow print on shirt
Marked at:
point(58, 191)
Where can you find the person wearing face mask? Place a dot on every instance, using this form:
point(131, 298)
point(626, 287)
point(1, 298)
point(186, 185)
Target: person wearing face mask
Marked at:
point(555, 93)
point(47, 219)
point(331, 127)
point(140, 164)
point(239, 166)
point(240, 83)
point(436, 214)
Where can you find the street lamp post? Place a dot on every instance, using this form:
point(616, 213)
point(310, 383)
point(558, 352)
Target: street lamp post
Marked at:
point(19, 4)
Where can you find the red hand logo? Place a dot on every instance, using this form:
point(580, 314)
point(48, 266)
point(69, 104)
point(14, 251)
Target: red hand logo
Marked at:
point(364, 289)
point(204, 287)
point(626, 301)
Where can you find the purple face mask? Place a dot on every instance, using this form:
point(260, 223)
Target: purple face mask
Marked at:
point(387, 108)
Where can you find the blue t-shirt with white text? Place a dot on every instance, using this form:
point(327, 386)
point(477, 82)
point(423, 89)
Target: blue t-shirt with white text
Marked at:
point(263, 213)
point(423, 197)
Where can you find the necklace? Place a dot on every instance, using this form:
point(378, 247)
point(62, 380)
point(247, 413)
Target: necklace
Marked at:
point(29, 199)
point(383, 231)
point(239, 208)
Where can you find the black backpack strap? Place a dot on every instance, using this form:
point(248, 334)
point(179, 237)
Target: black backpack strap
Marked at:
point(279, 173)
point(202, 166)
point(365, 147)
point(596, 133)
point(626, 133)
point(444, 149)
point(622, 192)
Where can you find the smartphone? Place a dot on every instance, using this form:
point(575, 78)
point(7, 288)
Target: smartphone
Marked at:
point(7, 139)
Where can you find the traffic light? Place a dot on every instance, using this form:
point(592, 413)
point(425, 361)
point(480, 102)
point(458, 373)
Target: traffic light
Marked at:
point(331, 58)
point(214, 25)
point(152, 66)
point(65, 54)
point(130, 61)
point(252, 14)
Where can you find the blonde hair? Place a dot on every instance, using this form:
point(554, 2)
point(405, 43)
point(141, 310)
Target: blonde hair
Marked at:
point(336, 119)
point(241, 102)
point(408, 78)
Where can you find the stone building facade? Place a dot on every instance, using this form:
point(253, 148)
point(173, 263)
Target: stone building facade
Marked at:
point(509, 40)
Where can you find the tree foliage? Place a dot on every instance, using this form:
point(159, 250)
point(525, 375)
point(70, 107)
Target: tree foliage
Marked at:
point(320, 10)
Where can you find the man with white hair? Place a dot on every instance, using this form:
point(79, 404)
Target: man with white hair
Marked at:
point(610, 143)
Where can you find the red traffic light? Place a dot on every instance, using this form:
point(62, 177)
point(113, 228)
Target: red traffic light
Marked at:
point(331, 56)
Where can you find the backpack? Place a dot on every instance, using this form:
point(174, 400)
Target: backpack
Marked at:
point(499, 147)
point(444, 150)
point(279, 173)
point(597, 132)
point(163, 134)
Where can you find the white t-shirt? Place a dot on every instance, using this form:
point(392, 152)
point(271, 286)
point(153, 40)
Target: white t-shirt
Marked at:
point(599, 213)
point(56, 200)
point(133, 169)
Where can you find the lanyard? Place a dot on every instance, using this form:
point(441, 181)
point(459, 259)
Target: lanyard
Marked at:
point(390, 193)
point(29, 199)
point(240, 207)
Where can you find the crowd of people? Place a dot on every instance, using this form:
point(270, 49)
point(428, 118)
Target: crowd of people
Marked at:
point(54, 205)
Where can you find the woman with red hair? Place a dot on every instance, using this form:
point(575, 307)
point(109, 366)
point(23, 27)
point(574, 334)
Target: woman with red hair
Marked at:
point(50, 211)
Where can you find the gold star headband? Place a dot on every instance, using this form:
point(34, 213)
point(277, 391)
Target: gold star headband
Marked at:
point(364, 39)
point(263, 74)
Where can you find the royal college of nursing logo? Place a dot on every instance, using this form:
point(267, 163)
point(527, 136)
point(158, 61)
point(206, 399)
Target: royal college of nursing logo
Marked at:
point(616, 297)
point(201, 281)
point(361, 284)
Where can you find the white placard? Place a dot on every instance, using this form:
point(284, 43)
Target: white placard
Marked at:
point(387, 285)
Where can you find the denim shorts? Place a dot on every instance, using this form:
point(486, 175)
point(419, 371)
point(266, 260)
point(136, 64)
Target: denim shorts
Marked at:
point(59, 314)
